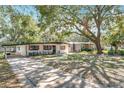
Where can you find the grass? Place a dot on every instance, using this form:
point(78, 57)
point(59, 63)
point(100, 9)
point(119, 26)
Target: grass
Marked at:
point(46, 56)
point(74, 58)
point(1, 55)
point(7, 77)
point(88, 52)
point(81, 57)
point(105, 51)
point(104, 70)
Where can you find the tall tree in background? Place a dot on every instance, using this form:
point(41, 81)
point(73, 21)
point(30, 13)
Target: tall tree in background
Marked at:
point(17, 27)
point(54, 36)
point(5, 12)
point(115, 35)
point(22, 29)
point(88, 21)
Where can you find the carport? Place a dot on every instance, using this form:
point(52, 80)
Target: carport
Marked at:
point(9, 50)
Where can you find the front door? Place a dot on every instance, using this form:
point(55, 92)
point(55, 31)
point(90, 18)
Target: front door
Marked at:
point(54, 49)
point(74, 47)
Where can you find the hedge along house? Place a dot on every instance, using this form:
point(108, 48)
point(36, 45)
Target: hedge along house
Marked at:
point(30, 49)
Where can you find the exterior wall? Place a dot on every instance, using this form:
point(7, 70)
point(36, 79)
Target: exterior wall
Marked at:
point(24, 49)
point(78, 47)
point(70, 47)
point(74, 47)
point(21, 50)
point(66, 50)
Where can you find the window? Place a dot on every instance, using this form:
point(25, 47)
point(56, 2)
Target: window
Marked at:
point(87, 46)
point(33, 47)
point(47, 47)
point(62, 47)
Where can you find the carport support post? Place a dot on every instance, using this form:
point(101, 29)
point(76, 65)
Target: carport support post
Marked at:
point(5, 53)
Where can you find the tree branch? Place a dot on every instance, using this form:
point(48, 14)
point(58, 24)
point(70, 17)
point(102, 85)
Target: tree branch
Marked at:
point(85, 25)
point(72, 14)
point(83, 33)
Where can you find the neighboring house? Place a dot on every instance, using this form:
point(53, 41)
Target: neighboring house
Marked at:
point(88, 45)
point(1, 49)
point(47, 48)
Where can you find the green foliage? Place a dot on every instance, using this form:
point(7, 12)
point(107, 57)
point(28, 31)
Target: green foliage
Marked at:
point(76, 38)
point(111, 52)
point(105, 51)
point(17, 27)
point(121, 52)
point(78, 19)
point(5, 11)
point(2, 55)
point(50, 36)
point(59, 22)
point(86, 49)
point(115, 35)
point(24, 29)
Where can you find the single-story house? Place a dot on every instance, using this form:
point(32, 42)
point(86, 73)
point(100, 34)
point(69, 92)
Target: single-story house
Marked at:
point(47, 48)
point(1, 49)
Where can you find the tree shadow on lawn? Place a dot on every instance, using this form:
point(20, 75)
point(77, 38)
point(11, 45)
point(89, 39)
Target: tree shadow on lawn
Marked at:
point(101, 74)
point(7, 77)
point(93, 73)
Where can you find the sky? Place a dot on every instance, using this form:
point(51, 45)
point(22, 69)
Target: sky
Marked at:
point(30, 10)
point(27, 10)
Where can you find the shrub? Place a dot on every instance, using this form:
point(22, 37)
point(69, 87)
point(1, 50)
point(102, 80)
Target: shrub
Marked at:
point(86, 49)
point(121, 52)
point(2, 55)
point(111, 52)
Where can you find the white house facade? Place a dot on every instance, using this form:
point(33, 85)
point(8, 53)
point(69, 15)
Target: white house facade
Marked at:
point(47, 48)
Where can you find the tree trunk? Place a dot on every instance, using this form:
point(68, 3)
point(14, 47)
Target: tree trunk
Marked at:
point(116, 49)
point(98, 47)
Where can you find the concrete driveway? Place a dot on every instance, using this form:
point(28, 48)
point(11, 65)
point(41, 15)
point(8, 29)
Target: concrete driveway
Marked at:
point(34, 73)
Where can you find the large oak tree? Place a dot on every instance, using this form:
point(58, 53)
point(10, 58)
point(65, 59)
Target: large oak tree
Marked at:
point(88, 21)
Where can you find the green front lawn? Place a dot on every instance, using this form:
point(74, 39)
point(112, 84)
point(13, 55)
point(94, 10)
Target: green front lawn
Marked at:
point(81, 57)
point(104, 70)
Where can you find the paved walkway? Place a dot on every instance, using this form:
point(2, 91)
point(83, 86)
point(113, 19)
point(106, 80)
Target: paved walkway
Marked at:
point(34, 73)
